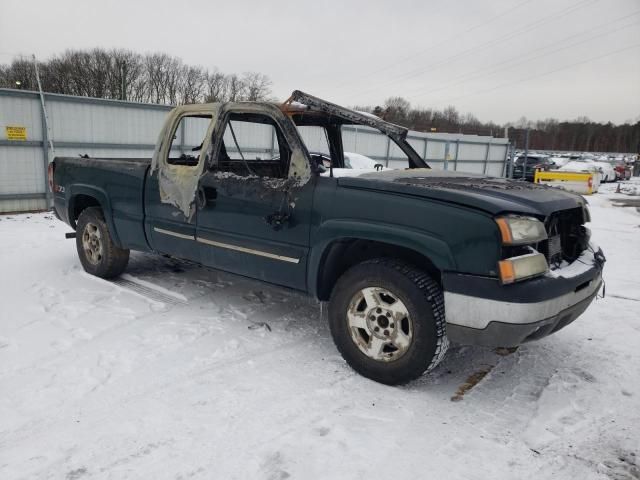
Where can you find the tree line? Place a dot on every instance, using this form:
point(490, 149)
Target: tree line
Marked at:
point(126, 75)
point(580, 134)
point(160, 78)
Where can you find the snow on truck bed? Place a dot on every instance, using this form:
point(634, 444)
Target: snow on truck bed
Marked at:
point(171, 372)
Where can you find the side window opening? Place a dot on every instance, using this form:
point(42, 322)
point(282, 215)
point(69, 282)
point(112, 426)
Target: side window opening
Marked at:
point(188, 138)
point(253, 145)
point(316, 138)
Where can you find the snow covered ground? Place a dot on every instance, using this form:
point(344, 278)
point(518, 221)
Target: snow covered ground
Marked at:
point(172, 373)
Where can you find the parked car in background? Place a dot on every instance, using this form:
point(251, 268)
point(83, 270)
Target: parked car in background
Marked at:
point(622, 170)
point(525, 167)
point(354, 161)
point(559, 161)
point(608, 173)
point(359, 161)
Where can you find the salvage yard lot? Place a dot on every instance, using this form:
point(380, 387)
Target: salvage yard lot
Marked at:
point(178, 371)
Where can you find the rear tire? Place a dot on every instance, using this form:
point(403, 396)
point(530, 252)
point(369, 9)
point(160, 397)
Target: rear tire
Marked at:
point(98, 254)
point(387, 320)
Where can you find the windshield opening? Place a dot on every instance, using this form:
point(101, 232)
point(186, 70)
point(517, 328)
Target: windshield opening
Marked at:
point(337, 144)
point(339, 131)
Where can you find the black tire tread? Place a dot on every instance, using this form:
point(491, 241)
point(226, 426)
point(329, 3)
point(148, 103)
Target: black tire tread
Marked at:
point(115, 259)
point(432, 292)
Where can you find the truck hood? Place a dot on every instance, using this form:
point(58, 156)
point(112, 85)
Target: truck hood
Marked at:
point(493, 195)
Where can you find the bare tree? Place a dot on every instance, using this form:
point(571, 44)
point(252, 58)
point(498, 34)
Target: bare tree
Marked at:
point(160, 78)
point(126, 70)
point(451, 116)
point(156, 66)
point(192, 86)
point(172, 78)
point(523, 122)
point(216, 87)
point(126, 75)
point(21, 74)
point(396, 109)
point(236, 88)
point(257, 86)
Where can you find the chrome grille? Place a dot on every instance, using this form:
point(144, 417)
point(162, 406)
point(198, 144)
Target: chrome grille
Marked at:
point(568, 237)
point(554, 250)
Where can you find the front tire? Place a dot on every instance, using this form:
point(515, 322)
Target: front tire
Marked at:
point(99, 255)
point(387, 320)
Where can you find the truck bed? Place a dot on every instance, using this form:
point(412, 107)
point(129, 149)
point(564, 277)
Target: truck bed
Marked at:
point(119, 185)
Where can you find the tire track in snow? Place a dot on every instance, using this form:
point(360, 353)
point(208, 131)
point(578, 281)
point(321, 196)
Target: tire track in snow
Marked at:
point(155, 308)
point(166, 361)
point(546, 406)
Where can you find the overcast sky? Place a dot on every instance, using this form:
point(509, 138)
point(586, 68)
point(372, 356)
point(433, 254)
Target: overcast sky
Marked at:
point(498, 59)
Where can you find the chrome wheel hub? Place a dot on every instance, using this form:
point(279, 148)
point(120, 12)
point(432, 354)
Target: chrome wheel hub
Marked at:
point(92, 243)
point(379, 324)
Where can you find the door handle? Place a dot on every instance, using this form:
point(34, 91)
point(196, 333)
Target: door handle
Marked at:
point(205, 195)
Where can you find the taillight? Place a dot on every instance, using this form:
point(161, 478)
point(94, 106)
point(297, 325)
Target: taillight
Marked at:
point(50, 176)
point(590, 183)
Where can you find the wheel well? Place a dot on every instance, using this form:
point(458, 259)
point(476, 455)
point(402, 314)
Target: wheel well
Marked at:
point(345, 253)
point(81, 202)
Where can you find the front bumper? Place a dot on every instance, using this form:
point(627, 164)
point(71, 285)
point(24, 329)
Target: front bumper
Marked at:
point(480, 311)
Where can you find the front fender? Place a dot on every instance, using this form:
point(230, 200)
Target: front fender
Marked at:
point(431, 247)
point(101, 197)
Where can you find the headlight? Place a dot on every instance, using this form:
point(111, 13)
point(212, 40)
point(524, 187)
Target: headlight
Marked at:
point(522, 267)
point(519, 230)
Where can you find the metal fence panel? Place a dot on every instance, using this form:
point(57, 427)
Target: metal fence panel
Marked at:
point(95, 123)
point(192, 132)
point(364, 140)
point(111, 128)
point(436, 151)
point(22, 111)
point(495, 169)
point(314, 138)
point(21, 170)
point(22, 182)
point(104, 152)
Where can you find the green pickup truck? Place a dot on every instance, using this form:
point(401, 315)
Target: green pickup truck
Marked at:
point(408, 258)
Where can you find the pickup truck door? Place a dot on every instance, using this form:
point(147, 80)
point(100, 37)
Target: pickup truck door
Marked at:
point(170, 225)
point(251, 220)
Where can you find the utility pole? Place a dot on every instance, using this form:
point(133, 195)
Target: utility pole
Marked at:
point(123, 91)
point(526, 152)
point(45, 116)
point(47, 142)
